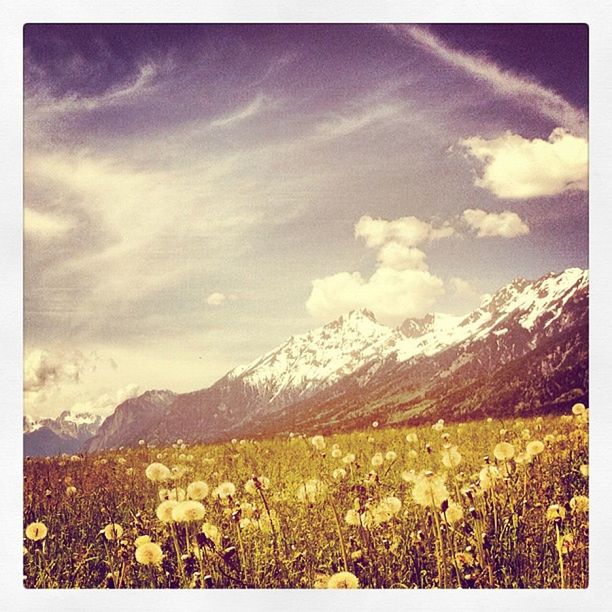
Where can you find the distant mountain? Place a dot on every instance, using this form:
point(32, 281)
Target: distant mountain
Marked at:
point(524, 349)
point(64, 434)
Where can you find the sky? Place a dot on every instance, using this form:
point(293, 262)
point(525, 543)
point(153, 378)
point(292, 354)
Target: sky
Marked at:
point(195, 194)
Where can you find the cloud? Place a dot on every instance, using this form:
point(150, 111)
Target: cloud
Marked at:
point(522, 89)
point(107, 402)
point(259, 103)
point(45, 226)
point(216, 299)
point(399, 257)
point(392, 294)
point(505, 224)
point(44, 369)
point(408, 231)
point(514, 167)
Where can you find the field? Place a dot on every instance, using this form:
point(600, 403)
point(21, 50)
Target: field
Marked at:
point(488, 504)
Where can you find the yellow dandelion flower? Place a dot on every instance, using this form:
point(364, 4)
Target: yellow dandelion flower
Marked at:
point(197, 490)
point(503, 451)
point(188, 511)
point(36, 531)
point(343, 580)
point(578, 409)
point(113, 531)
point(451, 457)
point(554, 512)
point(157, 472)
point(149, 553)
point(579, 504)
point(164, 510)
point(140, 540)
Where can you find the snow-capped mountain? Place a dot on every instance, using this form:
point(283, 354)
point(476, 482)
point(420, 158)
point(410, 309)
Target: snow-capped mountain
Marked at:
point(342, 369)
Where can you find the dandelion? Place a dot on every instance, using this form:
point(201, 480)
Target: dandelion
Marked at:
point(412, 453)
point(197, 490)
point(188, 511)
point(488, 477)
point(164, 510)
point(71, 490)
point(409, 476)
point(348, 458)
point(584, 470)
point(336, 453)
point(453, 514)
point(36, 531)
point(112, 531)
point(554, 512)
point(451, 457)
point(390, 504)
point(535, 447)
point(149, 553)
point(212, 532)
point(377, 460)
point(578, 409)
point(157, 472)
point(343, 580)
point(429, 489)
point(390, 456)
point(439, 426)
point(318, 442)
point(140, 540)
point(311, 491)
point(579, 504)
point(503, 451)
point(489, 419)
point(176, 493)
point(523, 458)
point(371, 440)
point(141, 442)
point(339, 474)
point(412, 438)
point(75, 458)
point(224, 490)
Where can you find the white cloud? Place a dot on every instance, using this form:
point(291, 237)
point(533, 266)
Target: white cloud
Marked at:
point(107, 402)
point(522, 89)
point(43, 368)
point(45, 226)
point(216, 299)
point(393, 295)
point(409, 231)
point(515, 167)
point(259, 103)
point(399, 257)
point(505, 224)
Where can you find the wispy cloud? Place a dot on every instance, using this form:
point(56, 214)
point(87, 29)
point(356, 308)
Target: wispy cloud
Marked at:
point(259, 103)
point(522, 89)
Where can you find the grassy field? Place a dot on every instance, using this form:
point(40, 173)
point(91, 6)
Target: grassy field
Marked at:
point(486, 504)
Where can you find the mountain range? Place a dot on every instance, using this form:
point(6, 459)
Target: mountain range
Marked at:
point(523, 351)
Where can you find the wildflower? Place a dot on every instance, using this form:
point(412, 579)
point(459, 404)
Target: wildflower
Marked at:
point(311, 491)
point(149, 553)
point(489, 419)
point(36, 531)
point(343, 580)
point(336, 453)
point(429, 489)
point(412, 453)
point(371, 440)
point(535, 447)
point(140, 540)
point(409, 476)
point(377, 460)
point(348, 458)
point(451, 457)
point(488, 477)
point(164, 510)
point(584, 470)
point(197, 490)
point(579, 504)
point(523, 458)
point(318, 442)
point(356, 518)
point(578, 409)
point(188, 511)
point(224, 490)
point(113, 531)
point(390, 504)
point(129, 471)
point(439, 426)
point(504, 451)
point(75, 458)
point(71, 490)
point(157, 472)
point(525, 434)
point(412, 438)
point(453, 514)
point(141, 442)
point(212, 533)
point(339, 474)
point(554, 512)
point(390, 456)
point(176, 493)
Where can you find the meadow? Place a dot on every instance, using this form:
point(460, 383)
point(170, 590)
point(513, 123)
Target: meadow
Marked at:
point(483, 504)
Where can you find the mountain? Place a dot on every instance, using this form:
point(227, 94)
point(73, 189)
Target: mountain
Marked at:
point(524, 349)
point(64, 434)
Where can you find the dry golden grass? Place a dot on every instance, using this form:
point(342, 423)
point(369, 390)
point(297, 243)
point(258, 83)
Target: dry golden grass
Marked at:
point(442, 506)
